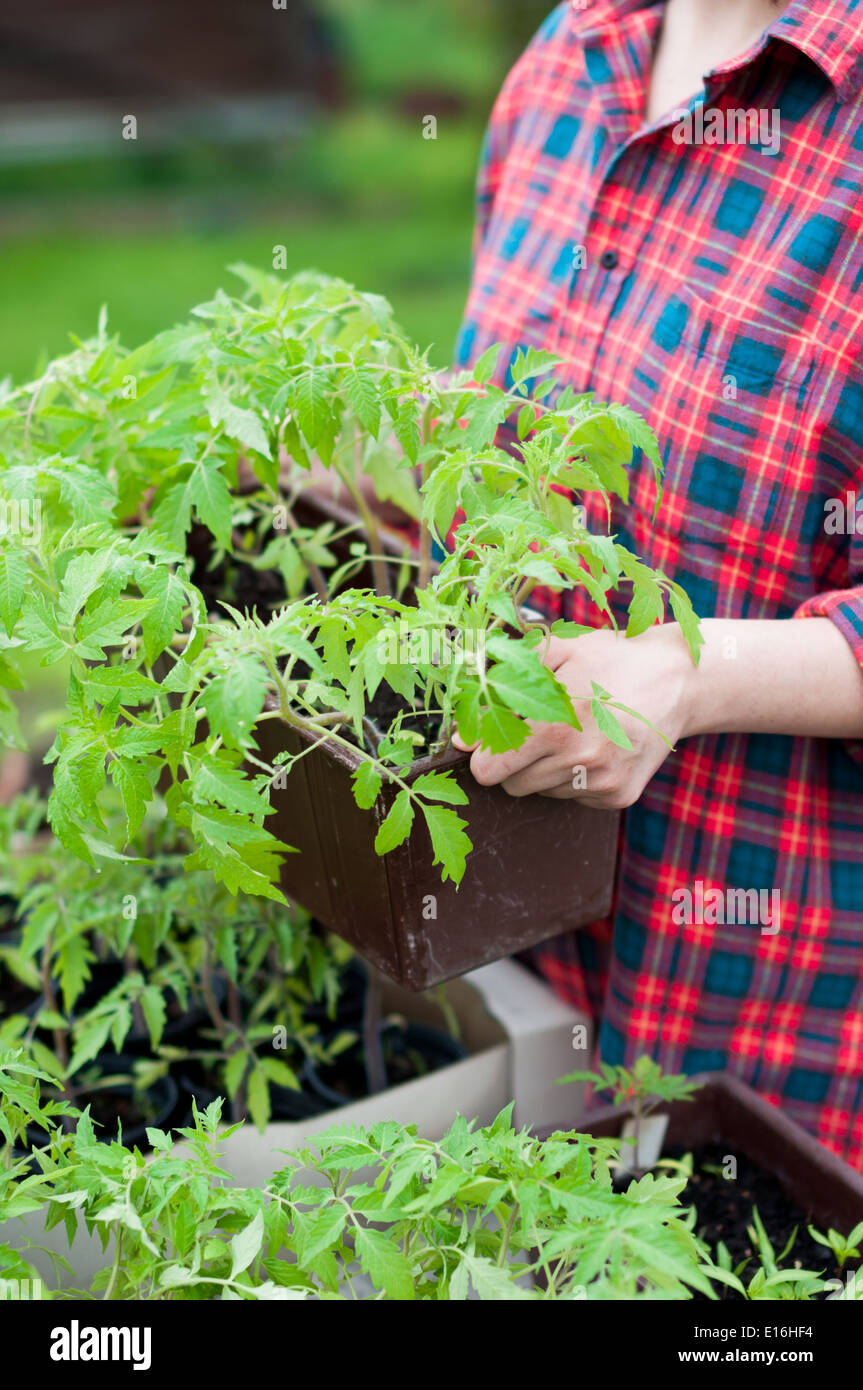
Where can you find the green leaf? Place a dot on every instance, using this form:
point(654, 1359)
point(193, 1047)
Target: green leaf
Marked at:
point(310, 403)
point(318, 1231)
point(215, 779)
point(233, 701)
point(83, 576)
point(440, 786)
point(280, 1073)
point(527, 686)
point(135, 791)
point(103, 682)
point(450, 843)
point(239, 423)
point(395, 829)
point(167, 597)
point(86, 492)
point(155, 1013)
point(74, 970)
point(235, 1070)
point(485, 414)
point(13, 583)
point(484, 366)
point(606, 722)
point(467, 712)
point(384, 1263)
point(367, 783)
point(491, 1282)
point(362, 391)
point(212, 499)
point(681, 607)
point(246, 1244)
point(501, 731)
point(258, 1094)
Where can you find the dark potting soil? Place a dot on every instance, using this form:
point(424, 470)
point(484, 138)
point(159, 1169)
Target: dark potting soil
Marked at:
point(724, 1208)
point(241, 585)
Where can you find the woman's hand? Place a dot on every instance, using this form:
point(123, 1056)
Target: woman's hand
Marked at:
point(652, 673)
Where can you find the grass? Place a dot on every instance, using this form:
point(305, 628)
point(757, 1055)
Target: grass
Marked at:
point(365, 198)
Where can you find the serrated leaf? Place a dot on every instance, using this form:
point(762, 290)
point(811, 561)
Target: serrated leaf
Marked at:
point(500, 731)
point(527, 686)
point(246, 1244)
point(234, 700)
point(362, 392)
point(135, 791)
point(167, 597)
point(441, 786)
point(239, 423)
point(607, 722)
point(311, 405)
point(450, 843)
point(384, 1263)
point(13, 583)
point(318, 1231)
point(367, 784)
point(217, 780)
point(685, 615)
point(484, 366)
point(395, 829)
point(211, 498)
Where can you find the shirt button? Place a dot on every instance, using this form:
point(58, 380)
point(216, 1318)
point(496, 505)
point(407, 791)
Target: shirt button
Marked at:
point(609, 260)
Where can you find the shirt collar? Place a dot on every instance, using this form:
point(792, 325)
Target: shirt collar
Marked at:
point(831, 34)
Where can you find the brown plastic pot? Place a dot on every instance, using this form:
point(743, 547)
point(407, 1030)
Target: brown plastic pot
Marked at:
point(728, 1112)
point(539, 866)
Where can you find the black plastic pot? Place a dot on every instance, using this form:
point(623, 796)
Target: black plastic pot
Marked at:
point(350, 1003)
point(347, 1078)
point(156, 1107)
point(285, 1103)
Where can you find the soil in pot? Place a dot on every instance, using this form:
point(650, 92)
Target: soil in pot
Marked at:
point(724, 1210)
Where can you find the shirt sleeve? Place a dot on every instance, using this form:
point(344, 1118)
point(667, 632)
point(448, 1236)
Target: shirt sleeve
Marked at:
point(844, 607)
point(842, 603)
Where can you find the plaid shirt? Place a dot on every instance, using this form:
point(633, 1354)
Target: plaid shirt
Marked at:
point(718, 290)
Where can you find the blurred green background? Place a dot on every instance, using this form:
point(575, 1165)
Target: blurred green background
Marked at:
point(303, 131)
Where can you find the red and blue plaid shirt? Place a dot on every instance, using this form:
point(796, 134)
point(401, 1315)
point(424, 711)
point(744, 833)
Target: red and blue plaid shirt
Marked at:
point(718, 290)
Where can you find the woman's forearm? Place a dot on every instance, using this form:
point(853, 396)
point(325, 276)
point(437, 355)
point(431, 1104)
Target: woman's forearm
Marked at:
point(775, 676)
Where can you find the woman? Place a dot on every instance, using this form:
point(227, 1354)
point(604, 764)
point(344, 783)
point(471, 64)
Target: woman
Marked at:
point(705, 268)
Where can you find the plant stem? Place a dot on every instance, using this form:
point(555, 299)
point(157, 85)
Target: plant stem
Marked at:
point(380, 571)
point(504, 1249)
point(376, 1072)
point(316, 574)
point(115, 1270)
